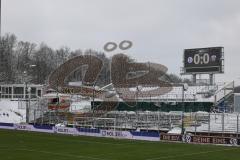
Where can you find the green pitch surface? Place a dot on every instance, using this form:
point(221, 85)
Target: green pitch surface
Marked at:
point(17, 145)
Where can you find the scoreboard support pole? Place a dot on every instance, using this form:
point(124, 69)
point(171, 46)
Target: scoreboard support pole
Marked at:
point(0, 18)
point(211, 78)
point(194, 78)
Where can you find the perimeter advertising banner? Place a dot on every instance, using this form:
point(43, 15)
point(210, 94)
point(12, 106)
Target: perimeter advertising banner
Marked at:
point(65, 130)
point(149, 136)
point(201, 139)
point(211, 140)
point(34, 128)
point(7, 125)
point(23, 127)
point(171, 137)
point(116, 134)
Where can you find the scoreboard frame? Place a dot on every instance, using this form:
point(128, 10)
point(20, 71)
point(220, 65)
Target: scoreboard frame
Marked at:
point(208, 60)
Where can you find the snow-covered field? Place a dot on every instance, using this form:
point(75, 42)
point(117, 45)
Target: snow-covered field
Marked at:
point(12, 111)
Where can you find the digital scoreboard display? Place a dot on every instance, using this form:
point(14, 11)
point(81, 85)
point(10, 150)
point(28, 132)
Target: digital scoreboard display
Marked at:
point(203, 60)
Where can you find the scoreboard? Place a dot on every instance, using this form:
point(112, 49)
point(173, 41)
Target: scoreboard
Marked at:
point(203, 60)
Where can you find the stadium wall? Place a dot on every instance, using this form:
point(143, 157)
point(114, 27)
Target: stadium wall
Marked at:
point(134, 135)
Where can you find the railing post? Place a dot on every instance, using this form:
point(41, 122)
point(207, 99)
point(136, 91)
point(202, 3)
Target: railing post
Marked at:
point(195, 123)
point(158, 121)
point(237, 124)
point(222, 124)
point(209, 120)
point(115, 123)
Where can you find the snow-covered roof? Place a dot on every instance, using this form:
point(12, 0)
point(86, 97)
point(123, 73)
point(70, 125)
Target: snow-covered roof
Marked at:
point(55, 95)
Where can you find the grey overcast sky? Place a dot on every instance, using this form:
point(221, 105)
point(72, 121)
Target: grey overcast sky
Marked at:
point(159, 29)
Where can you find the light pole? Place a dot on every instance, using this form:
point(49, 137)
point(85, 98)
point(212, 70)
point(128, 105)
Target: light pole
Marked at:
point(58, 105)
point(0, 18)
point(93, 103)
point(184, 88)
point(138, 89)
point(28, 89)
point(27, 93)
point(93, 97)
point(93, 87)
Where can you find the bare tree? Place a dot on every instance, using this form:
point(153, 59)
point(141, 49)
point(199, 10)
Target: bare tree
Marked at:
point(62, 55)
point(75, 53)
point(44, 59)
point(7, 44)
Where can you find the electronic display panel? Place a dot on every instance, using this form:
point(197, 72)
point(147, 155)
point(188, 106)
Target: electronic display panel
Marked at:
point(203, 60)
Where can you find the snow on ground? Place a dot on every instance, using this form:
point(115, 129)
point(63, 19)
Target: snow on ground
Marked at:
point(12, 111)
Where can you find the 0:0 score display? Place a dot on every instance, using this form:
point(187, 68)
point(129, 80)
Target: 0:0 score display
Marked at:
point(205, 60)
point(200, 59)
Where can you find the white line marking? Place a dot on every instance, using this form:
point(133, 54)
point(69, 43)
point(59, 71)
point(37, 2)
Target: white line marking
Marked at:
point(191, 154)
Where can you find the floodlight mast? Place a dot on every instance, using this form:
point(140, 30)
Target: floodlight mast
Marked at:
point(0, 18)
